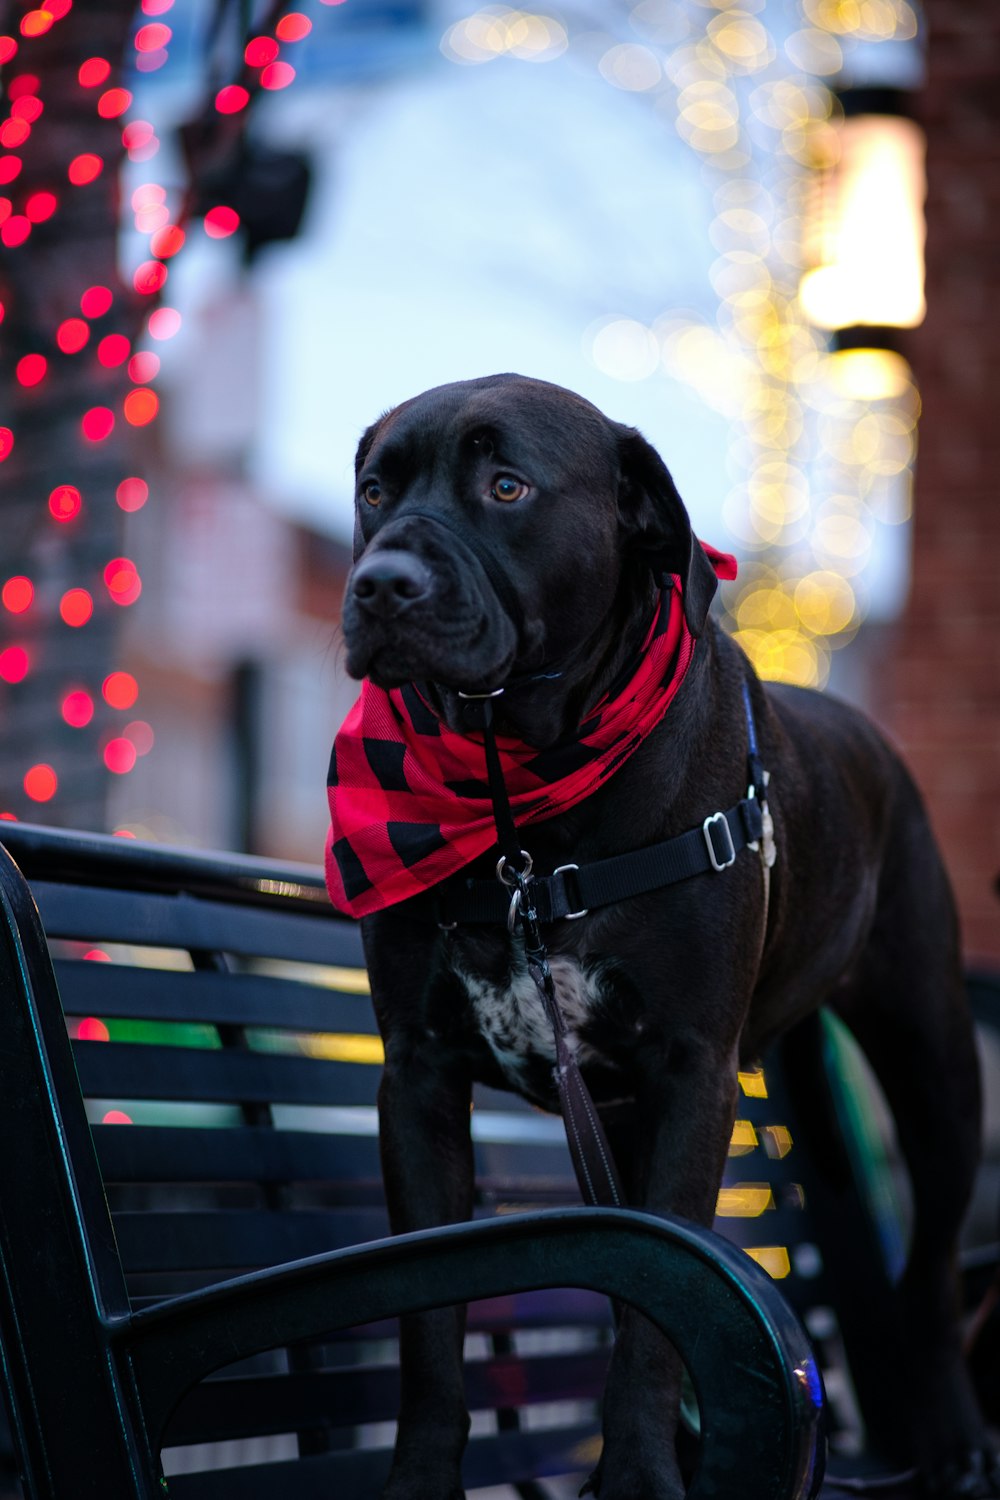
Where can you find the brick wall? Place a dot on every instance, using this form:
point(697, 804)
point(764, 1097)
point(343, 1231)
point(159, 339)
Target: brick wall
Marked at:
point(944, 699)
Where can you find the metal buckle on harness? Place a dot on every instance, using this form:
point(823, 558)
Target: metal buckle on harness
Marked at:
point(571, 916)
point(729, 857)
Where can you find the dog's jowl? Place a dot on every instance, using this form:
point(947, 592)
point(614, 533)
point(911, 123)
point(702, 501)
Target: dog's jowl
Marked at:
point(530, 612)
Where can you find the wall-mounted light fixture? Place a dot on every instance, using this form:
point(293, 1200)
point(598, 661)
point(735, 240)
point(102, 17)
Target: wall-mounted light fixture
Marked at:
point(864, 240)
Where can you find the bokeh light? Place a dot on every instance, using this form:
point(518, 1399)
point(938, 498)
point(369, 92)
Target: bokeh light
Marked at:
point(141, 735)
point(65, 502)
point(41, 782)
point(113, 102)
point(150, 277)
point(94, 72)
point(144, 366)
point(72, 334)
point(260, 50)
point(113, 350)
point(163, 323)
point(97, 424)
point(76, 607)
point(231, 99)
point(77, 708)
point(31, 369)
point(277, 75)
point(96, 301)
point(221, 221)
point(141, 407)
point(132, 494)
point(14, 664)
point(120, 689)
point(121, 578)
point(17, 594)
point(293, 27)
point(120, 755)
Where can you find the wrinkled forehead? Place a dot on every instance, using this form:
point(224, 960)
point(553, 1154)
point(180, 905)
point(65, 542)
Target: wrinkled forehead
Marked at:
point(528, 422)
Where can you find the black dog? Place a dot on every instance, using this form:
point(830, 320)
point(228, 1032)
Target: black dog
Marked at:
point(510, 536)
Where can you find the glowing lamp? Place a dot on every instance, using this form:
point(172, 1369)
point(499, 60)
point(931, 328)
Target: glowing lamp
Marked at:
point(864, 240)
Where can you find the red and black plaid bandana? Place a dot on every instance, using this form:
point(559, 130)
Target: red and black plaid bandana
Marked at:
point(410, 800)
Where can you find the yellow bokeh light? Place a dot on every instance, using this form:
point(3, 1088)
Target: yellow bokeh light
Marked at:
point(630, 66)
point(815, 51)
point(773, 1258)
point(870, 374)
point(825, 603)
point(744, 1138)
point(623, 348)
point(708, 116)
point(864, 20)
point(786, 656)
point(496, 31)
point(743, 41)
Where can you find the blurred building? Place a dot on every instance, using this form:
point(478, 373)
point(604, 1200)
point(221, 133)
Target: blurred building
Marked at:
point(943, 699)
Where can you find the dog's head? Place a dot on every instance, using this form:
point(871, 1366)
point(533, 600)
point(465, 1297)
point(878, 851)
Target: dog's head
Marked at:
point(506, 532)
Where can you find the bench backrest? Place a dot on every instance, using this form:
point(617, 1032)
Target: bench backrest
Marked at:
point(225, 1046)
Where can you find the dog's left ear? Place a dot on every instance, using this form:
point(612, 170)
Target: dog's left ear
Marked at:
point(655, 522)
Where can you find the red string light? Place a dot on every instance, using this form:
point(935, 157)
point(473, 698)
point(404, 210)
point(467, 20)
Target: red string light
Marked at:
point(76, 607)
point(132, 494)
point(152, 38)
point(149, 278)
point(120, 690)
point(72, 335)
point(14, 133)
point(113, 350)
point(15, 230)
point(10, 167)
point(41, 206)
point(120, 755)
point(293, 27)
point(122, 581)
point(41, 783)
point(221, 221)
point(84, 168)
point(77, 708)
point(112, 103)
point(22, 85)
point(36, 22)
point(93, 72)
point(97, 424)
point(144, 367)
point(27, 107)
point(65, 502)
point(141, 406)
point(6, 443)
point(260, 51)
point(17, 594)
point(31, 369)
point(167, 241)
point(277, 75)
point(8, 48)
point(231, 99)
point(163, 323)
point(96, 301)
point(14, 664)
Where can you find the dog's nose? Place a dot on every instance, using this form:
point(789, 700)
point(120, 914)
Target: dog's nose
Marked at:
point(389, 582)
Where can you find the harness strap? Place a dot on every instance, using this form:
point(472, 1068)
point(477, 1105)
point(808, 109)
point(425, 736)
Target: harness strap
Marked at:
point(573, 890)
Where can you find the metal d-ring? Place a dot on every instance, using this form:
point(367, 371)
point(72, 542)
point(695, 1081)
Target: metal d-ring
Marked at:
point(509, 877)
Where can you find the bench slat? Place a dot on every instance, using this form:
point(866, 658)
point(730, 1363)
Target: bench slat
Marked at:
point(126, 1070)
point(502, 1459)
point(241, 1406)
point(183, 921)
point(165, 1153)
point(120, 990)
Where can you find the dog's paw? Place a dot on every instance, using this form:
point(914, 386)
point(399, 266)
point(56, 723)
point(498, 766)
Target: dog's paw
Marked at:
point(974, 1475)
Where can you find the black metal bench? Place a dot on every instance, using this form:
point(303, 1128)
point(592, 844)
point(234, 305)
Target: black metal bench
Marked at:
point(187, 1080)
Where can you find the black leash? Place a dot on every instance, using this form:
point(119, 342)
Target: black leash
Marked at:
point(591, 1155)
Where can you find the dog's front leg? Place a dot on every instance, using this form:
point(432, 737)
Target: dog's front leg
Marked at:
point(686, 1101)
point(428, 1169)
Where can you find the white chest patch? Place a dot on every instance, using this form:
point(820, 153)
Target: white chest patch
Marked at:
point(512, 1018)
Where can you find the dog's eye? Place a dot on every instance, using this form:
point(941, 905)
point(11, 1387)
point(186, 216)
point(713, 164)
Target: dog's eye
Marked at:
point(372, 492)
point(507, 488)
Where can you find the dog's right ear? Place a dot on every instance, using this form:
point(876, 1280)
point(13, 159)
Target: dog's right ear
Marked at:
point(655, 522)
